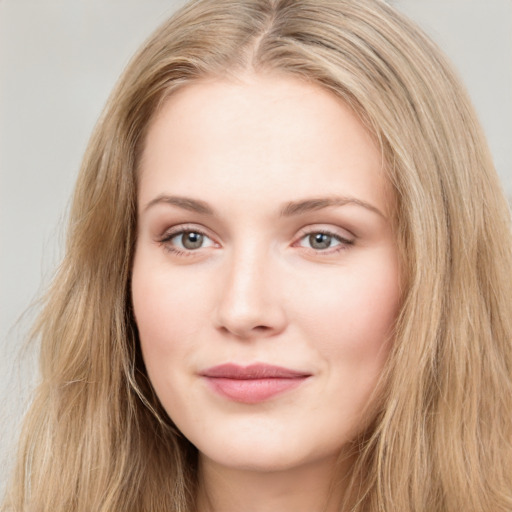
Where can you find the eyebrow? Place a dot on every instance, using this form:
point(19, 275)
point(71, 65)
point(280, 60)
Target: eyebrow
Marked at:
point(187, 203)
point(307, 205)
point(289, 209)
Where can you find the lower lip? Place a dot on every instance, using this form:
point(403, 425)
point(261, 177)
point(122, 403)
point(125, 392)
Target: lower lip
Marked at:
point(253, 391)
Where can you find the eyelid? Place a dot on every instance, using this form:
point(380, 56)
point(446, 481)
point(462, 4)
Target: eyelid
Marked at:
point(334, 232)
point(173, 231)
point(337, 232)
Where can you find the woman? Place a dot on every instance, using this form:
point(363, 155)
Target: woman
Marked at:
point(287, 279)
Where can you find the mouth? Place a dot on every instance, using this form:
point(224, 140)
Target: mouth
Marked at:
point(254, 383)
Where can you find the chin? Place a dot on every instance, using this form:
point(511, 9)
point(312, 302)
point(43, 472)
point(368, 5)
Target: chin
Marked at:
point(264, 456)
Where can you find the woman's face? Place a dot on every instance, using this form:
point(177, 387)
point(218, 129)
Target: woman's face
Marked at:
point(265, 282)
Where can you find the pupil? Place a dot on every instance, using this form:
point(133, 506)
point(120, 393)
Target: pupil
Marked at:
point(320, 241)
point(192, 240)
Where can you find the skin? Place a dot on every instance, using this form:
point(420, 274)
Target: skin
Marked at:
point(258, 287)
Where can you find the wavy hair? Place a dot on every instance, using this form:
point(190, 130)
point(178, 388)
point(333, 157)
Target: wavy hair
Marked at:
point(96, 437)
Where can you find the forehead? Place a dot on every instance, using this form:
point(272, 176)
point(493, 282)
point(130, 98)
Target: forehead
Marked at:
point(258, 132)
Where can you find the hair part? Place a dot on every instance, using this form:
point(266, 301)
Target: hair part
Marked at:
point(97, 438)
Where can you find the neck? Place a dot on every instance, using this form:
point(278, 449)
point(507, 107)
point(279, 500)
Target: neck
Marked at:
point(313, 487)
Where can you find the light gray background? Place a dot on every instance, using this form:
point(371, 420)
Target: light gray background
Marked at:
point(58, 62)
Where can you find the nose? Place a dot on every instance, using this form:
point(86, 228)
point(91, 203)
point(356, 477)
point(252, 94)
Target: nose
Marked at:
point(250, 303)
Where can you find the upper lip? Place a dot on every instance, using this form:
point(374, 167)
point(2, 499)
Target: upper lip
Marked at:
point(253, 371)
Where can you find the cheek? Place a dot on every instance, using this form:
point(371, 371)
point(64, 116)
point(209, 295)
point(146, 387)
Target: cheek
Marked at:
point(359, 306)
point(349, 317)
point(164, 325)
point(371, 312)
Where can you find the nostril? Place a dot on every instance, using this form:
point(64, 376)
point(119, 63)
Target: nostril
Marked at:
point(248, 331)
point(258, 329)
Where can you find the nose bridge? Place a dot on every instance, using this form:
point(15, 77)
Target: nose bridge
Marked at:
point(249, 301)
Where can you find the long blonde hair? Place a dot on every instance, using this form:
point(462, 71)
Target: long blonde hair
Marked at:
point(96, 437)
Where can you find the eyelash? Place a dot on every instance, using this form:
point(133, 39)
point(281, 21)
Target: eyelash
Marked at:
point(344, 243)
point(181, 230)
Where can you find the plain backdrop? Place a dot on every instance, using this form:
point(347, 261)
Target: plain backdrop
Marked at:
point(58, 62)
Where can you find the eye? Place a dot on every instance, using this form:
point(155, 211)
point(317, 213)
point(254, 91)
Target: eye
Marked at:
point(189, 240)
point(186, 240)
point(323, 241)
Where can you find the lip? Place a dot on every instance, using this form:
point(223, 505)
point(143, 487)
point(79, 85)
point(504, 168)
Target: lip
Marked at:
point(254, 383)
